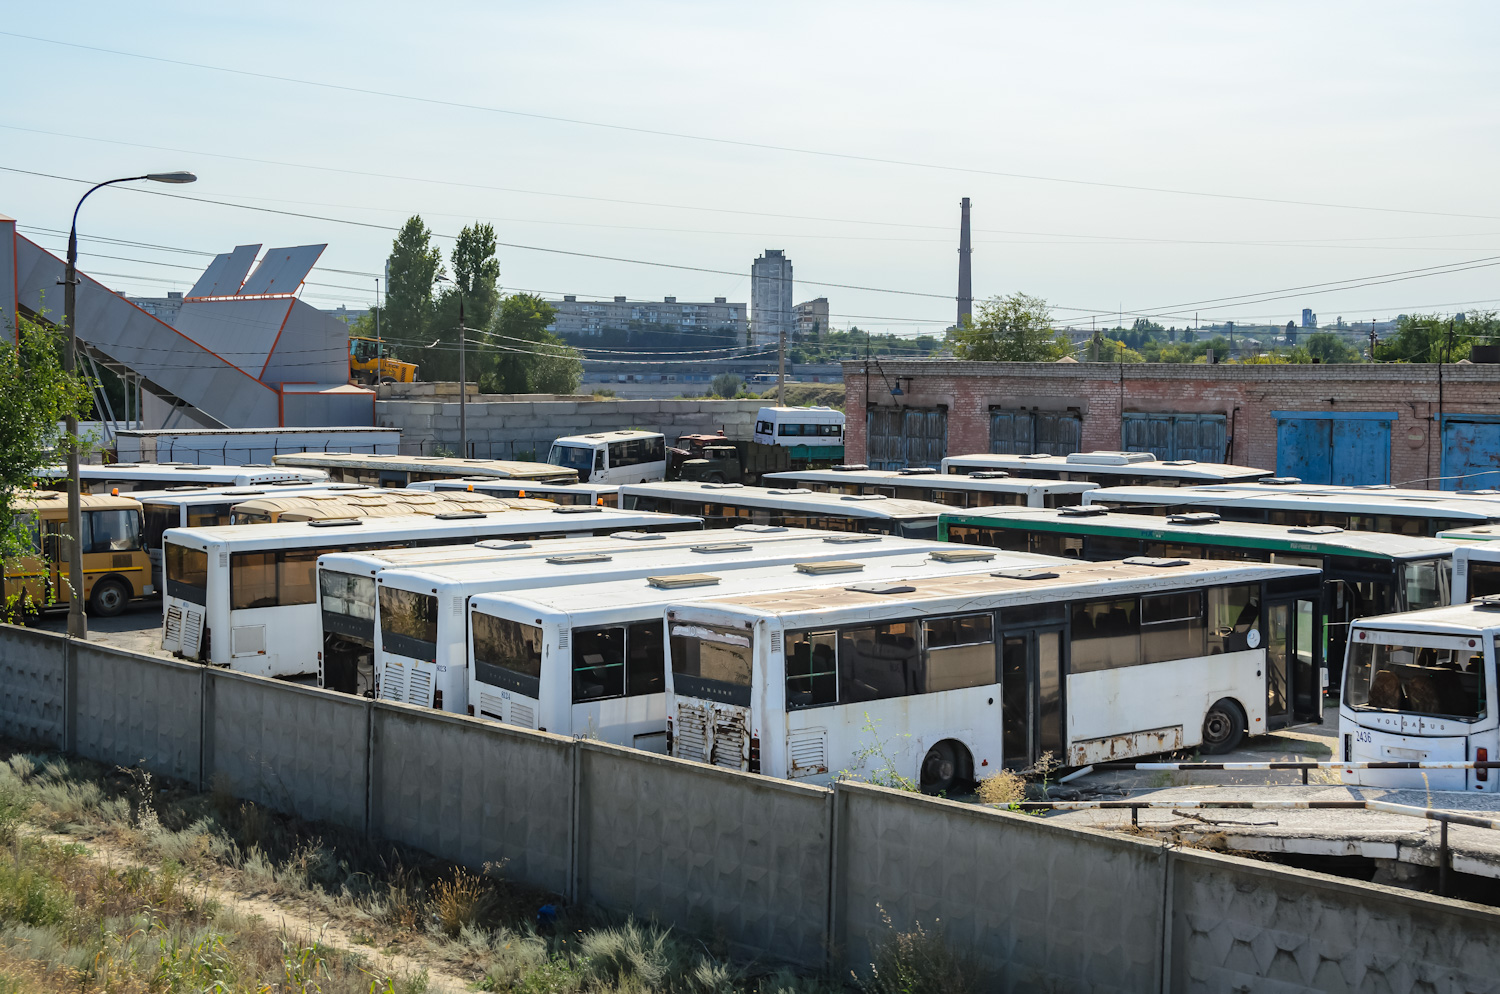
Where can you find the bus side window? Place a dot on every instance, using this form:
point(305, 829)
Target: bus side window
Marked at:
point(883, 662)
point(811, 674)
point(598, 664)
point(1106, 635)
point(959, 652)
point(1232, 612)
point(645, 659)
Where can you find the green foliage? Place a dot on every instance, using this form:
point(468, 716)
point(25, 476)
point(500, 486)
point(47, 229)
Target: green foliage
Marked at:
point(875, 753)
point(526, 357)
point(475, 285)
point(918, 962)
point(413, 267)
point(833, 346)
point(1325, 346)
point(727, 385)
point(1424, 338)
point(39, 394)
point(1017, 328)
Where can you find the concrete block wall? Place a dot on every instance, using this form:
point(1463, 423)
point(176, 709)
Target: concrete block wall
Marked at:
point(505, 429)
point(777, 871)
point(1246, 395)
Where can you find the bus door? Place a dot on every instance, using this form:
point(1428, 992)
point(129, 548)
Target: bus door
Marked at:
point(1031, 651)
point(1352, 589)
point(1294, 671)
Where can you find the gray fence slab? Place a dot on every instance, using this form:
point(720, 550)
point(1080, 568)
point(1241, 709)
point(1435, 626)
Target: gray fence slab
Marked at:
point(744, 858)
point(1243, 925)
point(475, 792)
point(31, 686)
point(1040, 906)
point(296, 749)
point(138, 710)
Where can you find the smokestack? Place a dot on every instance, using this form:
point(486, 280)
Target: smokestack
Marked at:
point(965, 274)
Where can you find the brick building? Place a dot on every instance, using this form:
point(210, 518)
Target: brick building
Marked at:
point(1355, 424)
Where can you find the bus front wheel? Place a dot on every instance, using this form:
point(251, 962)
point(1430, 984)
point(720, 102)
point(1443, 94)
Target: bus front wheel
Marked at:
point(108, 599)
point(944, 767)
point(1223, 727)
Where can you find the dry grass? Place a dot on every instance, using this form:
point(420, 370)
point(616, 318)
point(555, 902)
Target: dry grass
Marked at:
point(1004, 788)
point(919, 961)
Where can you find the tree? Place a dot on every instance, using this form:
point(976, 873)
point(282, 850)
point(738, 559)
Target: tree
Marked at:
point(526, 357)
point(476, 279)
point(39, 394)
point(1423, 338)
point(727, 385)
point(1325, 346)
point(413, 266)
point(1017, 328)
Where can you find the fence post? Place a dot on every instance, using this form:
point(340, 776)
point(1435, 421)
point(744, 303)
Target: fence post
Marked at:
point(70, 697)
point(833, 926)
point(578, 858)
point(372, 771)
point(209, 715)
point(1169, 861)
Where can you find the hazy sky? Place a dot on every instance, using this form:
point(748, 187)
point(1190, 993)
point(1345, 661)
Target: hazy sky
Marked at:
point(1371, 105)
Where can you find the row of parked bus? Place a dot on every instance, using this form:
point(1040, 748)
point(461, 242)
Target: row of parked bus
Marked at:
point(1092, 621)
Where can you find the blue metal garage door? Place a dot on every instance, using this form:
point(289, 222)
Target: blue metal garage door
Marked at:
point(1471, 452)
point(1350, 448)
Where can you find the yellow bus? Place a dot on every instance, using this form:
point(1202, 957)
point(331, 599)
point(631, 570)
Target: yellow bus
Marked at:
point(373, 504)
point(116, 568)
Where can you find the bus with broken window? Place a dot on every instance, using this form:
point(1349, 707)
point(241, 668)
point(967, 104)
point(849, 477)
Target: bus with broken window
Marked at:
point(981, 488)
point(1107, 469)
point(244, 596)
point(607, 495)
point(1364, 573)
point(1420, 687)
point(722, 505)
point(403, 471)
point(591, 660)
point(956, 678)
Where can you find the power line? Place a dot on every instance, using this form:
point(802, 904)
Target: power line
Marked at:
point(734, 142)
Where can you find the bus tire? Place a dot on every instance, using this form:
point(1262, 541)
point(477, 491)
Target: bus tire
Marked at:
point(1223, 728)
point(108, 598)
point(944, 767)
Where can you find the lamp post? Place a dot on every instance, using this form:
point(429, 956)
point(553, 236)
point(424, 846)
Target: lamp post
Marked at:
point(463, 381)
point(78, 626)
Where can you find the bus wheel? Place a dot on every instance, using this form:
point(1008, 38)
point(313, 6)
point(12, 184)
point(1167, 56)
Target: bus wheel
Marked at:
point(942, 768)
point(1223, 727)
point(108, 599)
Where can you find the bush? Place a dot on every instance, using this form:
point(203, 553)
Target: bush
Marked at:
point(918, 962)
point(727, 385)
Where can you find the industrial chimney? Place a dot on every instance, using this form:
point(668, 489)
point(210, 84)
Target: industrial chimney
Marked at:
point(965, 274)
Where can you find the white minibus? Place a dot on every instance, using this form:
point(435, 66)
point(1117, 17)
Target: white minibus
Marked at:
point(420, 647)
point(954, 679)
point(817, 427)
point(1420, 687)
point(1108, 469)
point(244, 596)
point(613, 457)
point(126, 478)
point(559, 493)
point(591, 660)
point(982, 488)
point(1355, 510)
point(721, 505)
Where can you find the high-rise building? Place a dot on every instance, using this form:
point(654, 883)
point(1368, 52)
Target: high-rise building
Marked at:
point(1309, 319)
point(771, 311)
point(812, 318)
point(589, 317)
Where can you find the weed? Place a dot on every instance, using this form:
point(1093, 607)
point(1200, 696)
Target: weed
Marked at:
point(875, 751)
point(458, 903)
point(918, 962)
point(1004, 788)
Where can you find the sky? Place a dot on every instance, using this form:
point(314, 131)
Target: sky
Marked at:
point(1172, 160)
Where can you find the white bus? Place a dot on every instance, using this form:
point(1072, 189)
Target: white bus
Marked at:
point(954, 679)
point(591, 660)
point(982, 488)
point(815, 427)
point(126, 478)
point(204, 507)
point(1108, 469)
point(721, 505)
point(1355, 510)
point(613, 457)
point(346, 584)
point(403, 471)
point(244, 596)
point(606, 495)
point(420, 645)
point(1476, 572)
point(1420, 687)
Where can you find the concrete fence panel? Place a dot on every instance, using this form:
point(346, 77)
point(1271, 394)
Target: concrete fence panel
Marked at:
point(1040, 906)
point(133, 709)
point(32, 681)
point(296, 749)
point(740, 857)
point(474, 792)
point(1242, 925)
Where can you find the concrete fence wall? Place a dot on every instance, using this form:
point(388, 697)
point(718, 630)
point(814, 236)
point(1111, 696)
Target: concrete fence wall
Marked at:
point(773, 870)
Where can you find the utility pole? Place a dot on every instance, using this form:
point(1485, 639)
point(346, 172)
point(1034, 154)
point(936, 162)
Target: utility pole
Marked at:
point(463, 385)
point(1372, 339)
point(379, 342)
point(781, 369)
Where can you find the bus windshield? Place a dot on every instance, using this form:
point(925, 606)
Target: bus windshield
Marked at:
point(1427, 583)
point(712, 662)
point(1444, 680)
point(345, 593)
point(571, 457)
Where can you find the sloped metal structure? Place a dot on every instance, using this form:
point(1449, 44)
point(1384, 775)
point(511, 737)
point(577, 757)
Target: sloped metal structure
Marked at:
point(244, 351)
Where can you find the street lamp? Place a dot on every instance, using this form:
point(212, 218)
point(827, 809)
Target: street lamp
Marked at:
point(78, 625)
point(463, 382)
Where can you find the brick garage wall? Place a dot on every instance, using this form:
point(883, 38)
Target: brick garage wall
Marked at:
point(1246, 395)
